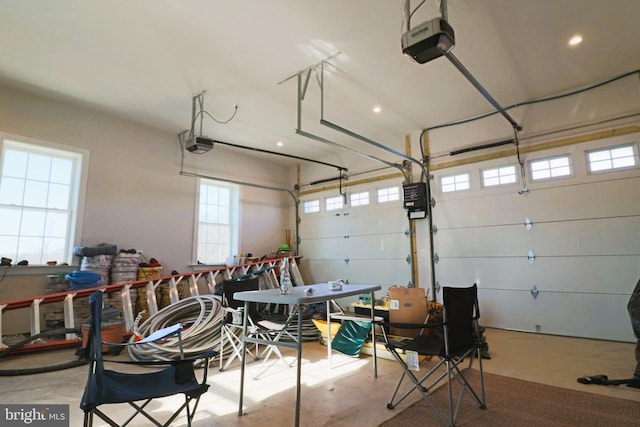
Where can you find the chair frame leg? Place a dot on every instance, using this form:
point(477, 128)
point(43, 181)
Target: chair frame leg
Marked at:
point(417, 385)
point(236, 345)
point(139, 410)
point(266, 354)
point(451, 373)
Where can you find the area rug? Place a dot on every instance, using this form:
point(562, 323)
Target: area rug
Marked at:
point(518, 403)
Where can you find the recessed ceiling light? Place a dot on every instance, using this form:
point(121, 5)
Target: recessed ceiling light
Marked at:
point(280, 143)
point(575, 40)
point(377, 109)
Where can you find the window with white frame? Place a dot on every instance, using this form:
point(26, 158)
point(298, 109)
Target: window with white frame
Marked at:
point(499, 176)
point(388, 194)
point(217, 221)
point(552, 167)
point(311, 206)
point(40, 201)
point(451, 183)
point(620, 157)
point(333, 203)
point(359, 199)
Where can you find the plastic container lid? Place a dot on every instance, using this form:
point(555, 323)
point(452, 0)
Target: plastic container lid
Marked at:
point(82, 276)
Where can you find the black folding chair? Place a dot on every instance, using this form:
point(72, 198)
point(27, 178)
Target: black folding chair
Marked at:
point(452, 340)
point(106, 386)
point(270, 328)
point(231, 326)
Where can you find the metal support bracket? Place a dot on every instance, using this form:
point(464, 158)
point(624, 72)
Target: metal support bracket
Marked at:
point(532, 257)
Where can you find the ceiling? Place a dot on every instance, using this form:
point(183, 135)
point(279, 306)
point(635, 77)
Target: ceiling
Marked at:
point(145, 60)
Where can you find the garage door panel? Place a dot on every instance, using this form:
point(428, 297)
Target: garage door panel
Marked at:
point(594, 200)
point(379, 247)
point(484, 241)
point(588, 316)
point(599, 275)
point(319, 226)
point(620, 236)
point(383, 222)
point(329, 248)
point(473, 212)
point(379, 272)
point(563, 203)
point(323, 270)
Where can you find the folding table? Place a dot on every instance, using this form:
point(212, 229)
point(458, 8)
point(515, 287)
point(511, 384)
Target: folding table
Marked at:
point(298, 295)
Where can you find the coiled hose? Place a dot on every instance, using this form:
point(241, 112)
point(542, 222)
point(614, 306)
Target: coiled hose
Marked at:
point(40, 369)
point(201, 316)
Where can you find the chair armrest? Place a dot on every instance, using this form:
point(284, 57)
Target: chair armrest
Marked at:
point(409, 325)
point(158, 335)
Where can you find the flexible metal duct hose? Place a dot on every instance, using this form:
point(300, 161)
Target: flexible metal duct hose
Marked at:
point(201, 317)
point(37, 370)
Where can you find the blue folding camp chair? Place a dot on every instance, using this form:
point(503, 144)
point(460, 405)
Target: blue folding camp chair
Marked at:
point(139, 389)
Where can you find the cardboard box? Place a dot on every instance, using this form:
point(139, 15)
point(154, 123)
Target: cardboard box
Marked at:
point(407, 305)
point(111, 333)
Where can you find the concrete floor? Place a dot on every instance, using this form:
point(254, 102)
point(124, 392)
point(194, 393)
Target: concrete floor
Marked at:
point(346, 394)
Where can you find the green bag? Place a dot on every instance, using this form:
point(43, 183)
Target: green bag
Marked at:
point(351, 337)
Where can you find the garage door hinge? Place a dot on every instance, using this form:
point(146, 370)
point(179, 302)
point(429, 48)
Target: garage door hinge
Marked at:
point(527, 223)
point(534, 292)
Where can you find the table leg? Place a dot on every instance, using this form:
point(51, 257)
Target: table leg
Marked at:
point(373, 335)
point(299, 367)
point(244, 354)
point(329, 333)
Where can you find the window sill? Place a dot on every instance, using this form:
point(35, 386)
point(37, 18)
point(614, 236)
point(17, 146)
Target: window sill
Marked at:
point(36, 270)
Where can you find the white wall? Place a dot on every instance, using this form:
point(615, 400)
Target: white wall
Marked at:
point(135, 196)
